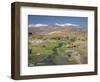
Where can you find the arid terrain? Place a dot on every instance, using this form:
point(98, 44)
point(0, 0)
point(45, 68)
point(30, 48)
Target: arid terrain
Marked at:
point(55, 45)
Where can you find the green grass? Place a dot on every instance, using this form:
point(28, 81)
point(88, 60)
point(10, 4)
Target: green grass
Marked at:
point(46, 49)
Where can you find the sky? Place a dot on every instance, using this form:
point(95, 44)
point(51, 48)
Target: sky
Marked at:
point(51, 20)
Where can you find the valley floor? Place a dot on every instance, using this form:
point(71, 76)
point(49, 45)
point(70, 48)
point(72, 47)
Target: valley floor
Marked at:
point(57, 48)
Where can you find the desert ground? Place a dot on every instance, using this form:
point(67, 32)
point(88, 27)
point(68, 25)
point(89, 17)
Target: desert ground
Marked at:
point(57, 48)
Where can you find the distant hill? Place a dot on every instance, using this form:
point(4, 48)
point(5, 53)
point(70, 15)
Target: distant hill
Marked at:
point(57, 27)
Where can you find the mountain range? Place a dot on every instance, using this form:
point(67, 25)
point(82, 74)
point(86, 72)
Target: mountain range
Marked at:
point(67, 27)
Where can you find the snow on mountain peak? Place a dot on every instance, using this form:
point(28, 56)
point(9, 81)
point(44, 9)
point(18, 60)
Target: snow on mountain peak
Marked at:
point(57, 24)
point(66, 24)
point(37, 25)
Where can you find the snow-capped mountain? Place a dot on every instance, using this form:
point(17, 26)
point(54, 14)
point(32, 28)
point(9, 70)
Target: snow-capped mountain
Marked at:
point(37, 25)
point(66, 24)
point(56, 24)
point(67, 27)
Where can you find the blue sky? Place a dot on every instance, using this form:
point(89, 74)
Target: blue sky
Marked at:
point(40, 19)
